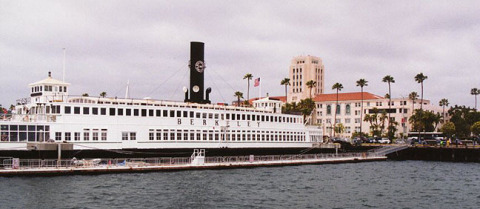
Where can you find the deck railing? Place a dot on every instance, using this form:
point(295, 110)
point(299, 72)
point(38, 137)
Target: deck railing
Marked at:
point(12, 163)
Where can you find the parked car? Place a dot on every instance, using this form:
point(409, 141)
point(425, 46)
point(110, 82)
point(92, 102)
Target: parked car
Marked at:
point(384, 141)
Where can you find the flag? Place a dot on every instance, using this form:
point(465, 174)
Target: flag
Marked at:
point(256, 82)
point(5, 111)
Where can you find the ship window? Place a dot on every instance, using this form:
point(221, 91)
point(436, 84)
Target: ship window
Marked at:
point(128, 112)
point(179, 134)
point(112, 111)
point(95, 110)
point(133, 135)
point(227, 116)
point(204, 135)
point(104, 134)
point(172, 134)
point(159, 134)
point(210, 135)
point(243, 116)
point(197, 115)
point(124, 136)
point(185, 134)
point(76, 110)
point(120, 111)
point(151, 135)
point(233, 116)
point(64, 89)
point(172, 113)
point(192, 135)
point(77, 136)
point(135, 112)
point(68, 136)
point(103, 111)
point(248, 117)
point(150, 113)
point(158, 113)
point(86, 134)
point(204, 115)
point(165, 113)
point(95, 134)
point(165, 134)
point(192, 114)
point(198, 135)
point(210, 115)
point(58, 136)
point(86, 110)
point(68, 109)
point(144, 112)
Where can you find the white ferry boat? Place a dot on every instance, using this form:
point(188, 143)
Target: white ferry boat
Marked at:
point(111, 127)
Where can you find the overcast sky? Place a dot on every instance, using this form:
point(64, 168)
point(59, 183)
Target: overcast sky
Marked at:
point(147, 42)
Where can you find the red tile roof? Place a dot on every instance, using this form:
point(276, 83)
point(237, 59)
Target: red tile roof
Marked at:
point(346, 96)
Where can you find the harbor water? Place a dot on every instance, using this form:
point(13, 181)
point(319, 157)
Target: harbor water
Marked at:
point(385, 184)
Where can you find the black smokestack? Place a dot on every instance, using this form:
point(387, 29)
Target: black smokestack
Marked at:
point(197, 67)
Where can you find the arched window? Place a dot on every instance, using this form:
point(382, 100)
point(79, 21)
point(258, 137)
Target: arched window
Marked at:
point(347, 109)
point(329, 109)
point(338, 109)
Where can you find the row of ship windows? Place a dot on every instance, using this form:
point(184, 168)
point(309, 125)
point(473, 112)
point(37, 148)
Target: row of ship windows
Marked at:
point(211, 135)
point(30, 133)
point(94, 135)
point(176, 113)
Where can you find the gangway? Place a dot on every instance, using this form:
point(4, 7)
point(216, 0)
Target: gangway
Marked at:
point(385, 150)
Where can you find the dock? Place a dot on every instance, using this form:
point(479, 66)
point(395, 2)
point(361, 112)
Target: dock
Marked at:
point(198, 161)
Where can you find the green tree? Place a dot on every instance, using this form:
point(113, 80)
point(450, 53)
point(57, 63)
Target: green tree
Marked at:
point(311, 84)
point(306, 106)
point(86, 94)
point(475, 128)
point(420, 78)
point(286, 83)
point(424, 120)
point(413, 96)
point(338, 87)
point(339, 128)
point(389, 79)
point(249, 77)
point(448, 129)
point(463, 118)
point(362, 83)
point(443, 103)
point(239, 96)
point(103, 94)
point(475, 92)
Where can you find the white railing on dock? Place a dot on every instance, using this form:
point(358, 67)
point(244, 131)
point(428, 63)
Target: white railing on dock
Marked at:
point(15, 163)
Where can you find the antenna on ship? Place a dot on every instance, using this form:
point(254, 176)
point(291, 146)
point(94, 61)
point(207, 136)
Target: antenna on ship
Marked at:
point(63, 64)
point(126, 91)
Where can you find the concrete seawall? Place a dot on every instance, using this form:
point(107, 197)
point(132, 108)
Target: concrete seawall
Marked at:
point(448, 154)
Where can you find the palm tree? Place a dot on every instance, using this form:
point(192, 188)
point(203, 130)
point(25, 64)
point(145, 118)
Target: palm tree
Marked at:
point(443, 103)
point(338, 87)
point(310, 84)
point(103, 94)
point(475, 92)
point(413, 96)
point(239, 95)
point(249, 77)
point(362, 82)
point(419, 78)
point(389, 79)
point(286, 83)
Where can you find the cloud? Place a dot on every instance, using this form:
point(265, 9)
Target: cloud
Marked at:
point(147, 42)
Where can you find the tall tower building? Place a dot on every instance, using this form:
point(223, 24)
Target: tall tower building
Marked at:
point(303, 69)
